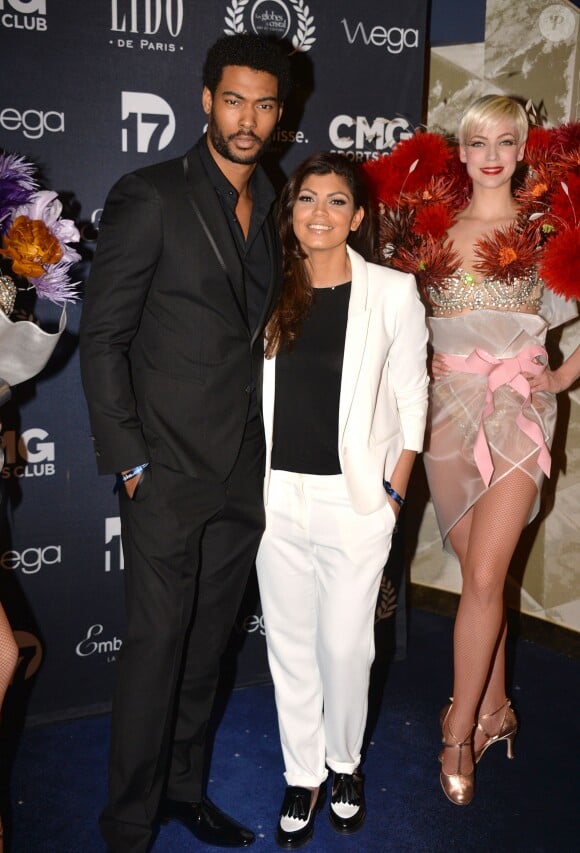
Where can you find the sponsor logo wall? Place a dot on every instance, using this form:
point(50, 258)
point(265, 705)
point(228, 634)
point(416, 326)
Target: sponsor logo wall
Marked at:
point(100, 94)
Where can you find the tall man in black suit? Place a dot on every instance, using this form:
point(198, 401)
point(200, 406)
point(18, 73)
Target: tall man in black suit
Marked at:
point(185, 276)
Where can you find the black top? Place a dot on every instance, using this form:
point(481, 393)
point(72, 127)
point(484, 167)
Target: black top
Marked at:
point(255, 259)
point(253, 250)
point(308, 382)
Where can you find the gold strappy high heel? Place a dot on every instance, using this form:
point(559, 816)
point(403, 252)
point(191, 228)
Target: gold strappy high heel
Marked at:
point(458, 787)
point(507, 730)
point(444, 711)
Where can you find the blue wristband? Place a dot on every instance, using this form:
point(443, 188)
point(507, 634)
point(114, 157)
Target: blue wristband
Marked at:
point(134, 472)
point(393, 494)
point(129, 475)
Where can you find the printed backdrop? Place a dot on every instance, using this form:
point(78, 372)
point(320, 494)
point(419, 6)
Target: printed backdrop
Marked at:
point(90, 91)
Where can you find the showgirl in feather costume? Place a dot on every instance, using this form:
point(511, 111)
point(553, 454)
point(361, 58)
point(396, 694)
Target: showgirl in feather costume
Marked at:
point(497, 268)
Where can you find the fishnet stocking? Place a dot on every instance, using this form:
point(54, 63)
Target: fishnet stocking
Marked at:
point(8, 654)
point(484, 540)
point(8, 661)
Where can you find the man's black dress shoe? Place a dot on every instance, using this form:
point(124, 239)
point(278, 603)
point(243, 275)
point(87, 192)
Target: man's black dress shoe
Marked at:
point(207, 822)
point(296, 804)
point(347, 804)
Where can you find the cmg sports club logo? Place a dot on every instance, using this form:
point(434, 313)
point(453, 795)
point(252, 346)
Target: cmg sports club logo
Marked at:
point(23, 15)
point(284, 20)
point(28, 455)
point(360, 138)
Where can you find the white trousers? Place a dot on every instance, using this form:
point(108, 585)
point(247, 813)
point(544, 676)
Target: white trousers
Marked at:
point(319, 569)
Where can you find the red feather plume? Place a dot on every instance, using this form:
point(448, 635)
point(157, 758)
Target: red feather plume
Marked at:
point(560, 263)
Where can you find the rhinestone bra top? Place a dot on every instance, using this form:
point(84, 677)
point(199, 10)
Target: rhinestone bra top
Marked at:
point(463, 292)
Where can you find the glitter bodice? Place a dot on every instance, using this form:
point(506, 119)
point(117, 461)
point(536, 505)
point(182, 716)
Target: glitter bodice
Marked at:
point(463, 292)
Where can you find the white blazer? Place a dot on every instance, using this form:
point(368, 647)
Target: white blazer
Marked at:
point(383, 392)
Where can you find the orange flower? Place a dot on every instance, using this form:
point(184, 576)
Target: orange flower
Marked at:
point(430, 260)
point(506, 256)
point(539, 189)
point(508, 252)
point(31, 247)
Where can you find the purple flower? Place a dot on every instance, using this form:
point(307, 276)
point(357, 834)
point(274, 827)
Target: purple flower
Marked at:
point(20, 196)
point(42, 205)
point(16, 186)
point(55, 285)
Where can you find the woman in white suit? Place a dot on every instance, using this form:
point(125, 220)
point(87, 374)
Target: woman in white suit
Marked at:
point(345, 400)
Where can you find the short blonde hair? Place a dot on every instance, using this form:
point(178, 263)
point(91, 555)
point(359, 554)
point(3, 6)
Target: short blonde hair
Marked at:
point(490, 110)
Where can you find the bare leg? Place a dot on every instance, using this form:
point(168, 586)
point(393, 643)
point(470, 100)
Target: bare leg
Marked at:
point(494, 696)
point(485, 540)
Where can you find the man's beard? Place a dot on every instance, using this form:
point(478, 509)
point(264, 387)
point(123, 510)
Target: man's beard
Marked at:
point(221, 144)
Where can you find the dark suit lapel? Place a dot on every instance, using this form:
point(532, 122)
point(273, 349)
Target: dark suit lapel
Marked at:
point(274, 284)
point(210, 215)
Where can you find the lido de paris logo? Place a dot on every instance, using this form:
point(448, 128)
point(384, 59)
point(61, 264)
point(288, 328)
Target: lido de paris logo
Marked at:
point(285, 20)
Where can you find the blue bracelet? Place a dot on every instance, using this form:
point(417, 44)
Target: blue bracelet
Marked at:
point(134, 472)
point(129, 475)
point(393, 494)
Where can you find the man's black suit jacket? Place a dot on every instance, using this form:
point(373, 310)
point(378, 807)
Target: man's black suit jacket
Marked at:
point(167, 358)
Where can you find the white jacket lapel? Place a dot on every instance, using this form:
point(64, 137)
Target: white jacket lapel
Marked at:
point(356, 336)
point(268, 393)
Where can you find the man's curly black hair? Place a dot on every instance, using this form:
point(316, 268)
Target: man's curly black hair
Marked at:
point(251, 51)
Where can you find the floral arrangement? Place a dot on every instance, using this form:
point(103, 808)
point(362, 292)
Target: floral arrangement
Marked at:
point(34, 237)
point(34, 254)
point(422, 185)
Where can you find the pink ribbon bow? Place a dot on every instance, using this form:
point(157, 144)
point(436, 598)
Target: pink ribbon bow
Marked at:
point(504, 371)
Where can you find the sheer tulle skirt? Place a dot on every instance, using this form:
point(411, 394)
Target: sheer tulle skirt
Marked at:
point(456, 405)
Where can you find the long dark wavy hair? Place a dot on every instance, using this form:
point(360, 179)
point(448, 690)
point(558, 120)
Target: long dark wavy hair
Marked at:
point(296, 297)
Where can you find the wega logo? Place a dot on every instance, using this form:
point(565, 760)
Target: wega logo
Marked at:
point(147, 24)
point(29, 455)
point(33, 124)
point(148, 122)
point(394, 39)
point(31, 560)
point(252, 623)
point(361, 139)
point(273, 18)
point(91, 645)
point(23, 15)
point(114, 550)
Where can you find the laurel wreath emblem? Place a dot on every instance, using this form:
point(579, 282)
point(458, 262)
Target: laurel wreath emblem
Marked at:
point(235, 17)
point(387, 601)
point(302, 40)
